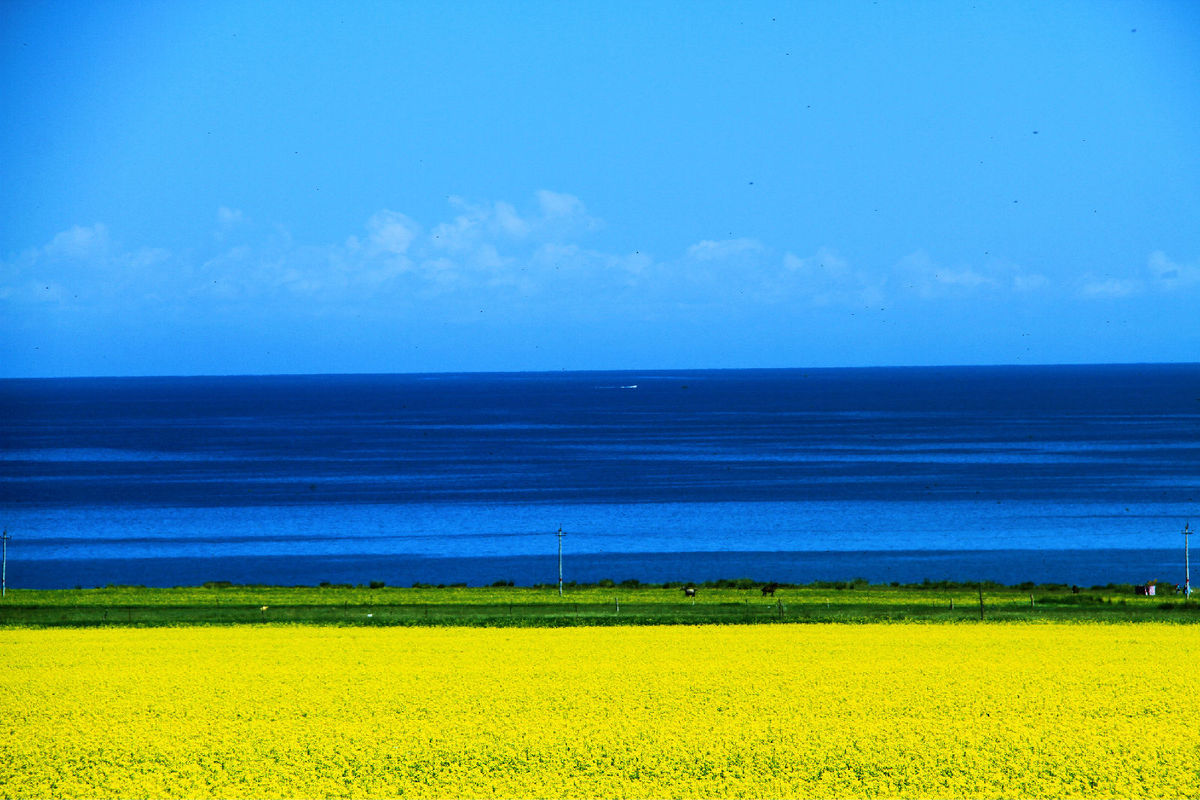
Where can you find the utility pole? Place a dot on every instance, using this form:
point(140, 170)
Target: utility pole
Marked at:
point(1187, 568)
point(560, 534)
point(4, 566)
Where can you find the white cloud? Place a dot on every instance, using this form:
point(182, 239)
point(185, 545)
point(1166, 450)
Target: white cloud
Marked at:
point(484, 248)
point(79, 243)
point(230, 222)
point(1162, 274)
point(1029, 282)
point(510, 221)
point(229, 217)
point(460, 234)
point(81, 266)
point(1170, 275)
point(554, 262)
point(827, 279)
point(558, 217)
point(920, 274)
point(1110, 288)
point(965, 278)
point(710, 250)
point(561, 216)
point(824, 262)
point(636, 262)
point(487, 257)
point(505, 255)
point(390, 233)
point(479, 224)
point(555, 205)
point(930, 279)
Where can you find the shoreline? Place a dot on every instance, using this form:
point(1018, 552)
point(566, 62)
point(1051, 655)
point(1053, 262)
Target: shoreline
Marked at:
point(1094, 567)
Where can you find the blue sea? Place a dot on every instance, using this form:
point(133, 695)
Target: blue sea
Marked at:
point(1067, 474)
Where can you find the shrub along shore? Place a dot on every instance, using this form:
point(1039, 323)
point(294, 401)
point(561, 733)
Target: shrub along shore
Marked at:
point(740, 601)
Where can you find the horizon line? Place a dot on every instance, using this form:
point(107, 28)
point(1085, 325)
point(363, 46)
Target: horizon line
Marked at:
point(619, 370)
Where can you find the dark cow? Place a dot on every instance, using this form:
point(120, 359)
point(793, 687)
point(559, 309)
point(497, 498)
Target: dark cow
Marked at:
point(689, 591)
point(769, 589)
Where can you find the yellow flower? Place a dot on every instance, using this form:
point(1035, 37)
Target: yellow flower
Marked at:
point(706, 711)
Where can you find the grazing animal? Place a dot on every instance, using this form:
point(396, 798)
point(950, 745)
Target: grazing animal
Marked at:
point(689, 591)
point(769, 589)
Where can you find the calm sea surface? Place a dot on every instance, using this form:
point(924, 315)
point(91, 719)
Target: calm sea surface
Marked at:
point(1078, 474)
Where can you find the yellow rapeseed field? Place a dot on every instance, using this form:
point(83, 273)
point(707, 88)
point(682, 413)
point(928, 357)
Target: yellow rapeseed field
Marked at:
point(762, 711)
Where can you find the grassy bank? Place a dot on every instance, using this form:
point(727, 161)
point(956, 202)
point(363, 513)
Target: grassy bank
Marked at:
point(723, 602)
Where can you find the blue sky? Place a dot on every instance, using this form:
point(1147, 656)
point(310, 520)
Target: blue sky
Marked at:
point(231, 187)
